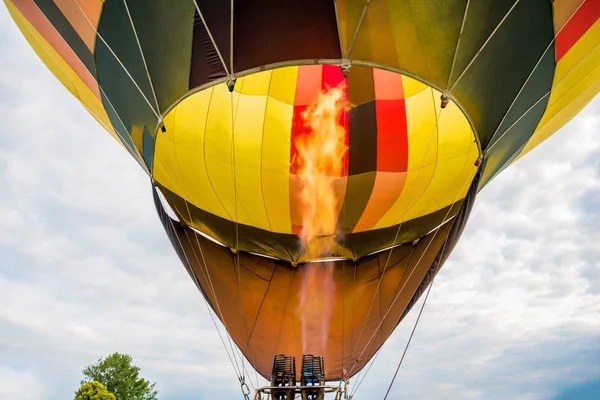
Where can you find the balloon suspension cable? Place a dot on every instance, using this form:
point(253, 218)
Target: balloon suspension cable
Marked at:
point(202, 263)
point(427, 294)
point(231, 81)
point(410, 337)
point(444, 218)
point(389, 256)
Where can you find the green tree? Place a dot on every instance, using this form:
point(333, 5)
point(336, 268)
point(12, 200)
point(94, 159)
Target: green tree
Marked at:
point(93, 391)
point(120, 377)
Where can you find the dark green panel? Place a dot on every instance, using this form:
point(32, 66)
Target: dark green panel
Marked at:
point(361, 89)
point(509, 146)
point(416, 36)
point(115, 27)
point(538, 86)
point(165, 29)
point(497, 168)
point(148, 148)
point(358, 193)
point(120, 93)
point(68, 33)
point(119, 127)
point(495, 78)
point(438, 24)
point(482, 18)
point(287, 246)
point(363, 243)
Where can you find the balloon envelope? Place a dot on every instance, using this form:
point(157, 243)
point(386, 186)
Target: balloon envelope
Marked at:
point(441, 96)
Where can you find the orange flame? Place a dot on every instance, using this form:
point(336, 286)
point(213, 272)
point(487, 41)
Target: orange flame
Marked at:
point(320, 162)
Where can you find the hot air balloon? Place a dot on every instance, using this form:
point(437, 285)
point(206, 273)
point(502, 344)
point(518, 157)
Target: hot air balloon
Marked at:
point(314, 162)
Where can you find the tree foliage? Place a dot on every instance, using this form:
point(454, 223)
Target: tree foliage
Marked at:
point(121, 378)
point(93, 391)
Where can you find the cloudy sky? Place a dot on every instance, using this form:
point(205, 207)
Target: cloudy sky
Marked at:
point(86, 269)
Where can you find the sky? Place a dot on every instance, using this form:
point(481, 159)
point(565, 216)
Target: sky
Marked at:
point(86, 269)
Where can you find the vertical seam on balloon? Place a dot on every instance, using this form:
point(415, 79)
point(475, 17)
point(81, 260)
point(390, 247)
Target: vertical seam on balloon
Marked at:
point(360, 21)
point(236, 256)
point(484, 44)
point(520, 91)
point(541, 98)
point(262, 140)
point(137, 39)
point(211, 36)
point(436, 133)
point(283, 312)
point(205, 157)
point(462, 26)
point(261, 303)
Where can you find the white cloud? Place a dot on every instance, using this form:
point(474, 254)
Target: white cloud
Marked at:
point(85, 268)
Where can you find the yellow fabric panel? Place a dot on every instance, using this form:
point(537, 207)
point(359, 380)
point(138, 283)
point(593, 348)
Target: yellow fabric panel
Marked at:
point(583, 47)
point(61, 70)
point(563, 11)
point(412, 86)
point(218, 154)
point(137, 133)
point(283, 84)
point(179, 163)
point(248, 134)
point(422, 155)
point(575, 83)
point(455, 169)
point(276, 164)
point(255, 84)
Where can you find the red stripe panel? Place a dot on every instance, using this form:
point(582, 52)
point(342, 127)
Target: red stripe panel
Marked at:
point(578, 25)
point(388, 85)
point(312, 80)
point(332, 77)
point(392, 136)
point(33, 14)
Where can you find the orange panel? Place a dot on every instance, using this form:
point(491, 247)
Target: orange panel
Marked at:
point(35, 16)
point(84, 16)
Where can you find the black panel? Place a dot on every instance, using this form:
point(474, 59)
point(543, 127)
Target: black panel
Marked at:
point(269, 31)
point(362, 152)
point(206, 64)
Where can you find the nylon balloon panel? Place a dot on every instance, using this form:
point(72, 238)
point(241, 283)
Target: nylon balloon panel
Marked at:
point(263, 317)
point(405, 158)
